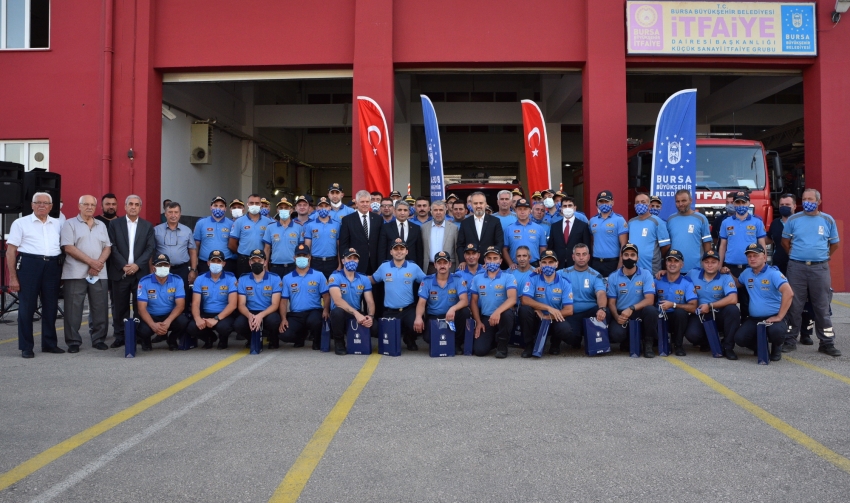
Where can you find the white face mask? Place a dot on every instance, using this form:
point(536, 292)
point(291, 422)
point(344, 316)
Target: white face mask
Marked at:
point(252, 209)
point(549, 202)
point(568, 212)
point(162, 272)
point(336, 205)
point(236, 212)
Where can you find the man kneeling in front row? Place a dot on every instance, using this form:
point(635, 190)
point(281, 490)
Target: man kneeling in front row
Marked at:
point(349, 290)
point(442, 296)
point(547, 296)
point(161, 298)
point(631, 296)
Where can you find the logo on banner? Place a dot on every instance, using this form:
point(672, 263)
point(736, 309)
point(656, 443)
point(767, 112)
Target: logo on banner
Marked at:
point(534, 151)
point(674, 152)
point(369, 131)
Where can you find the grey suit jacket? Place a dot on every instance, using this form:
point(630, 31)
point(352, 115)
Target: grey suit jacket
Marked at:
point(143, 247)
point(449, 243)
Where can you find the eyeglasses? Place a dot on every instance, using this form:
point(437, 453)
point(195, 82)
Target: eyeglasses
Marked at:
point(42, 203)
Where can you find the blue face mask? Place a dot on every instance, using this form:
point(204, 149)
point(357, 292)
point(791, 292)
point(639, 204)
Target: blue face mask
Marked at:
point(284, 214)
point(605, 208)
point(492, 266)
point(547, 270)
point(730, 208)
point(216, 268)
point(655, 212)
point(264, 212)
point(469, 207)
point(351, 266)
point(641, 209)
point(809, 206)
point(785, 211)
point(217, 212)
point(301, 262)
point(742, 210)
point(323, 212)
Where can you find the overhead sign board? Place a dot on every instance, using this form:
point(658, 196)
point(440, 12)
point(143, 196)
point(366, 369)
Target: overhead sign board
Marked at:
point(721, 29)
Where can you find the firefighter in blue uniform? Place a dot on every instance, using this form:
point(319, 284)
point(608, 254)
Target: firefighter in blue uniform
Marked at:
point(678, 299)
point(161, 299)
point(609, 232)
point(717, 297)
point(259, 300)
point(214, 303)
point(547, 295)
point(305, 295)
point(213, 233)
point(589, 299)
point(281, 238)
point(631, 296)
point(492, 299)
point(349, 291)
point(246, 234)
point(321, 234)
point(401, 278)
point(442, 296)
point(523, 232)
point(736, 234)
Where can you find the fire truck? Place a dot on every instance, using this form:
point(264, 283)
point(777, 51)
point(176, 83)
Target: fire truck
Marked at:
point(462, 186)
point(723, 165)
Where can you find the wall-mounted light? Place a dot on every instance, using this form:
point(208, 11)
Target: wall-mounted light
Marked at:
point(841, 6)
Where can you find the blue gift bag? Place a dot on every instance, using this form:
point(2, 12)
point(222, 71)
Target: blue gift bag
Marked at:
point(358, 339)
point(516, 339)
point(663, 334)
point(130, 338)
point(325, 346)
point(389, 338)
point(468, 337)
point(257, 341)
point(634, 338)
point(185, 343)
point(761, 344)
point(710, 327)
point(442, 339)
point(541, 338)
point(596, 340)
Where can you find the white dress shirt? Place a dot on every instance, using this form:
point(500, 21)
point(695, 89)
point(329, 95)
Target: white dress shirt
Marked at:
point(35, 237)
point(403, 225)
point(368, 222)
point(131, 235)
point(479, 224)
point(437, 234)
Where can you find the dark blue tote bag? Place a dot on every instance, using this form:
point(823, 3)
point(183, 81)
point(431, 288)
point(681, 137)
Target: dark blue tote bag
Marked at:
point(257, 341)
point(710, 327)
point(761, 344)
point(663, 334)
point(540, 341)
point(596, 340)
point(325, 345)
point(130, 338)
point(442, 339)
point(358, 339)
point(468, 337)
point(634, 338)
point(389, 341)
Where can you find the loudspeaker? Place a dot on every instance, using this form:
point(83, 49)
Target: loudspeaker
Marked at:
point(11, 187)
point(39, 180)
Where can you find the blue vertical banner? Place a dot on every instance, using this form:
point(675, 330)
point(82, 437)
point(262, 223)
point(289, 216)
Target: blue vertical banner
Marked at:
point(435, 152)
point(674, 160)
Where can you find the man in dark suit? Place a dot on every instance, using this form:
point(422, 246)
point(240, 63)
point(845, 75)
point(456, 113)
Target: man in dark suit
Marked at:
point(401, 228)
point(353, 235)
point(126, 265)
point(568, 232)
point(480, 229)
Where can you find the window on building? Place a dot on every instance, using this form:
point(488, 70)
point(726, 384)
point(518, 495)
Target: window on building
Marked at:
point(24, 24)
point(30, 153)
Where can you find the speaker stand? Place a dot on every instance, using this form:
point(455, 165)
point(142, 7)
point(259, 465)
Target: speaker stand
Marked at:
point(5, 294)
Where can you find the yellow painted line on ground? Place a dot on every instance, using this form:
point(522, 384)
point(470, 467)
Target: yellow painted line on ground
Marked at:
point(828, 373)
point(299, 474)
point(786, 429)
point(840, 303)
point(39, 461)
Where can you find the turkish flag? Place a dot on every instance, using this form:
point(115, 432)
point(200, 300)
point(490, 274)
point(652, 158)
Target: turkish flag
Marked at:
point(375, 146)
point(536, 147)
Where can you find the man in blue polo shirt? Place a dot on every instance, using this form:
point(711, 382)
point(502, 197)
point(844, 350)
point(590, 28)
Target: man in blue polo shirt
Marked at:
point(655, 207)
point(589, 299)
point(281, 238)
point(492, 299)
point(161, 299)
point(258, 302)
point(547, 295)
point(810, 238)
point(631, 296)
point(213, 233)
point(401, 278)
point(736, 234)
point(649, 234)
point(689, 231)
point(523, 232)
point(349, 291)
point(305, 296)
point(609, 232)
point(523, 270)
point(473, 268)
point(214, 303)
point(717, 297)
point(442, 296)
point(321, 235)
point(771, 297)
point(677, 298)
point(247, 234)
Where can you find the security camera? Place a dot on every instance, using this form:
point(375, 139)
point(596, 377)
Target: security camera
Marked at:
point(168, 114)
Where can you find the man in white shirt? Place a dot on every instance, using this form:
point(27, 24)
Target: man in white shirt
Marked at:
point(33, 260)
point(438, 235)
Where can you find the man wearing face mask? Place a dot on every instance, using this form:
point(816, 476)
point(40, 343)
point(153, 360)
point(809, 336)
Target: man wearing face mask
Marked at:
point(213, 233)
point(176, 240)
point(321, 235)
point(305, 296)
point(649, 234)
point(723, 215)
point(350, 291)
point(375, 203)
point(548, 200)
point(215, 297)
point(492, 301)
point(247, 234)
point(281, 238)
point(237, 209)
point(609, 232)
point(161, 299)
point(442, 296)
point(339, 210)
point(568, 232)
point(547, 296)
point(401, 279)
point(736, 234)
point(265, 207)
point(631, 296)
point(258, 303)
point(655, 207)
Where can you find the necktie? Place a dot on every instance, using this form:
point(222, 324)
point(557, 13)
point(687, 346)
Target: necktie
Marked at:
point(401, 231)
point(566, 230)
point(365, 227)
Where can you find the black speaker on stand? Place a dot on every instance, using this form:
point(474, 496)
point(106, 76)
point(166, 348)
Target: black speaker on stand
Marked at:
point(40, 180)
point(11, 202)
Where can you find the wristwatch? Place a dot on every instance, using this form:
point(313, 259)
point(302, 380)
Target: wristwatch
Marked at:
point(216, 318)
point(192, 269)
point(674, 305)
point(632, 308)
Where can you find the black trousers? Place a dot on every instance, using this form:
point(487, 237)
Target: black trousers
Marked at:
point(746, 335)
point(605, 266)
point(576, 321)
point(325, 265)
point(281, 269)
point(38, 278)
point(222, 328)
point(728, 321)
point(123, 293)
point(339, 320)
point(271, 326)
point(743, 296)
point(497, 336)
point(559, 331)
point(407, 315)
point(229, 266)
point(460, 325)
point(648, 317)
point(301, 324)
point(677, 324)
point(175, 330)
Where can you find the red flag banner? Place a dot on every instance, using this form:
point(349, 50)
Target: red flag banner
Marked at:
point(536, 147)
point(375, 146)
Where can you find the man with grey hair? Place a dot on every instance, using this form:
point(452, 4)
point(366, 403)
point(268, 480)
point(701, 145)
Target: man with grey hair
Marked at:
point(360, 230)
point(85, 241)
point(133, 243)
point(438, 235)
point(810, 238)
point(505, 215)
